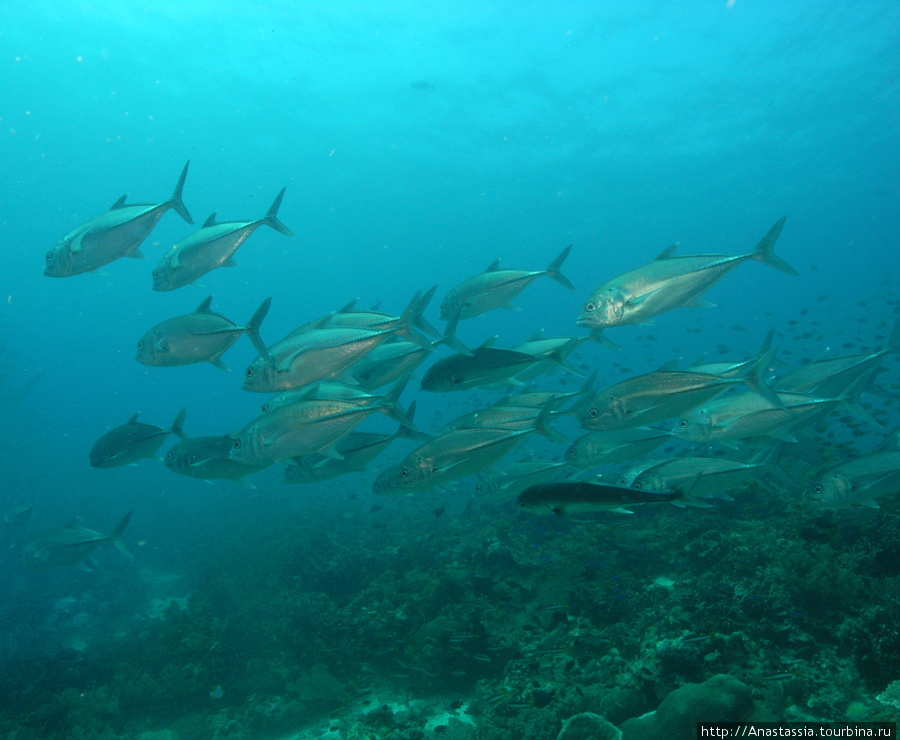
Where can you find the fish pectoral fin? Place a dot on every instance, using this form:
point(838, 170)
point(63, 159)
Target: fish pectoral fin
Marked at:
point(136, 254)
point(219, 364)
point(229, 262)
point(161, 346)
point(699, 302)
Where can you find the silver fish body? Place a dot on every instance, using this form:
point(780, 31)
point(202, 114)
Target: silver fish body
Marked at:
point(495, 288)
point(211, 247)
point(202, 336)
point(669, 282)
point(117, 233)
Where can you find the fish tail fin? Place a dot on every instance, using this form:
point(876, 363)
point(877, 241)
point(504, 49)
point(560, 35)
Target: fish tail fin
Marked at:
point(765, 250)
point(175, 201)
point(419, 321)
point(252, 330)
point(553, 269)
point(450, 336)
point(408, 430)
point(390, 404)
point(116, 536)
point(559, 357)
point(850, 399)
point(271, 217)
point(405, 326)
point(754, 381)
point(542, 426)
point(178, 425)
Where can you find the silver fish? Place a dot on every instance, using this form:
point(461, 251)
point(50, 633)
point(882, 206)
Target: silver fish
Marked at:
point(202, 336)
point(70, 545)
point(111, 235)
point(646, 399)
point(495, 288)
point(860, 493)
point(132, 441)
point(612, 448)
point(454, 455)
point(717, 474)
point(314, 354)
point(305, 426)
point(830, 377)
point(357, 450)
point(211, 247)
point(837, 481)
point(669, 282)
point(207, 458)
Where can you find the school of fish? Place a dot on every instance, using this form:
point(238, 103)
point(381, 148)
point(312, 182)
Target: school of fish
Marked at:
point(332, 372)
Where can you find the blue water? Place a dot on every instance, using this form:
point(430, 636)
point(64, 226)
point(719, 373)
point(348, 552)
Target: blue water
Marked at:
point(619, 128)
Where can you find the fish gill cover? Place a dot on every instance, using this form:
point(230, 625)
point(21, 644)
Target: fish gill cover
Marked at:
point(389, 585)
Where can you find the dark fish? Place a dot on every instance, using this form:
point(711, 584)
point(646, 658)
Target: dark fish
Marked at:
point(495, 288)
point(132, 441)
point(568, 498)
point(69, 545)
point(207, 458)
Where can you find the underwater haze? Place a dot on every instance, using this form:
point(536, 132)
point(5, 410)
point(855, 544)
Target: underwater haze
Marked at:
point(418, 143)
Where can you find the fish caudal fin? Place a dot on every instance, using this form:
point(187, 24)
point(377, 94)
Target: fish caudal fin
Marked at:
point(765, 250)
point(176, 202)
point(411, 314)
point(419, 321)
point(252, 330)
point(178, 425)
point(450, 336)
point(553, 269)
point(116, 536)
point(271, 217)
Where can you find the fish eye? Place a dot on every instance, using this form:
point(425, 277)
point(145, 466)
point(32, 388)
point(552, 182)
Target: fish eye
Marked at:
point(237, 444)
point(169, 455)
point(249, 372)
point(141, 344)
point(593, 413)
point(49, 256)
point(682, 424)
point(404, 473)
point(589, 307)
point(155, 274)
point(265, 408)
point(638, 486)
point(818, 489)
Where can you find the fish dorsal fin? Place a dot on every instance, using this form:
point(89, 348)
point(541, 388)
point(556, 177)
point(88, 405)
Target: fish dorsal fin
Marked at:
point(668, 253)
point(211, 221)
point(670, 366)
point(488, 342)
point(537, 335)
point(494, 266)
point(347, 308)
point(133, 419)
point(120, 203)
point(205, 306)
